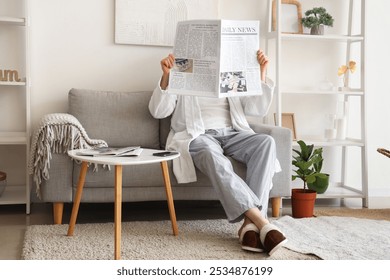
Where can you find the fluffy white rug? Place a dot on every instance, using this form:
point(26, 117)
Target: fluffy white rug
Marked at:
point(327, 237)
point(338, 238)
point(199, 240)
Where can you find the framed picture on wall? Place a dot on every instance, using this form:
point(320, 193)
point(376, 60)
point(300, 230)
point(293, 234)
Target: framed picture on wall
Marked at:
point(153, 22)
point(288, 121)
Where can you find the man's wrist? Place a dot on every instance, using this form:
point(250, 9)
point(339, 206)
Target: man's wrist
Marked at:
point(164, 81)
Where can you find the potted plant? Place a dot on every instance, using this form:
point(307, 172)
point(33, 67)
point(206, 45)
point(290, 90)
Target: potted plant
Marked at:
point(308, 162)
point(316, 19)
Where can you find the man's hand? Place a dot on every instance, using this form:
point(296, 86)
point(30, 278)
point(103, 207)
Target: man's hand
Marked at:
point(166, 65)
point(263, 61)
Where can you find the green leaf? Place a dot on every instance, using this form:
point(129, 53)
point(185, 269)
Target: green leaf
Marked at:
point(311, 178)
point(293, 177)
point(297, 152)
point(322, 175)
point(306, 150)
point(303, 165)
point(318, 165)
point(316, 17)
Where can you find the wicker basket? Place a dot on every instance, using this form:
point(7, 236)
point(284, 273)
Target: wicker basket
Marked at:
point(384, 152)
point(3, 182)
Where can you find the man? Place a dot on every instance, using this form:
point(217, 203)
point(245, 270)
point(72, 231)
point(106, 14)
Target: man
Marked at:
point(207, 130)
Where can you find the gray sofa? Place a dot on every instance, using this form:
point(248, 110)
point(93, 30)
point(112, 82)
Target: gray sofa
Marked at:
point(123, 119)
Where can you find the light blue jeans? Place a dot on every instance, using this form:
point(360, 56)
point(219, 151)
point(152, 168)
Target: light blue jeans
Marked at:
point(210, 151)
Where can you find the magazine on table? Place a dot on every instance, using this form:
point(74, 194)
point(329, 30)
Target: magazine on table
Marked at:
point(216, 58)
point(110, 151)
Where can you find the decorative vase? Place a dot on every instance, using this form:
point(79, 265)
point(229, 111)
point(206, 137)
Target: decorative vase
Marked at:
point(345, 86)
point(320, 185)
point(325, 85)
point(341, 127)
point(330, 128)
point(302, 203)
point(341, 122)
point(317, 30)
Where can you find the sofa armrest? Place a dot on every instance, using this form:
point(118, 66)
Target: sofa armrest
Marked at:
point(283, 141)
point(56, 134)
point(57, 187)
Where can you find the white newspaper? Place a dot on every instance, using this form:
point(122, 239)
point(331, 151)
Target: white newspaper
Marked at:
point(216, 58)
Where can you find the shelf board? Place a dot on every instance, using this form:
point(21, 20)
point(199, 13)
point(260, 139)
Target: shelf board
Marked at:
point(339, 191)
point(353, 92)
point(14, 195)
point(12, 83)
point(12, 20)
point(13, 138)
point(308, 37)
point(338, 38)
point(330, 143)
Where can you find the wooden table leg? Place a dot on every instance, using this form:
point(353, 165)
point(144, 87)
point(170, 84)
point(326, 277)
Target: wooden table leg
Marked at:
point(118, 211)
point(77, 199)
point(168, 190)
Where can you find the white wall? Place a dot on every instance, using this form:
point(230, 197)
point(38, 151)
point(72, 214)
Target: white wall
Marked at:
point(73, 46)
point(378, 100)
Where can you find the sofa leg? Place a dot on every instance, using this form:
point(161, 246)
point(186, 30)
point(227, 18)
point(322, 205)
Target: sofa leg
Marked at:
point(276, 202)
point(58, 209)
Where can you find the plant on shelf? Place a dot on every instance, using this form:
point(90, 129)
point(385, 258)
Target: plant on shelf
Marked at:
point(344, 70)
point(308, 162)
point(316, 19)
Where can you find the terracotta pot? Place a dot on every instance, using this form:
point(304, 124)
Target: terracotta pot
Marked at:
point(302, 203)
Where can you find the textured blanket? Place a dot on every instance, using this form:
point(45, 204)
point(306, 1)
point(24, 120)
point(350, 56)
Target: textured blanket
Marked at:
point(56, 133)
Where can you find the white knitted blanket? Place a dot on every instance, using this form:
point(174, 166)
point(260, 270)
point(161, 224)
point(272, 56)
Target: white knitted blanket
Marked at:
point(56, 133)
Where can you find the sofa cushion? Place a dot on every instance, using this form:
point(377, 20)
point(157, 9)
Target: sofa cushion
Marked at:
point(119, 118)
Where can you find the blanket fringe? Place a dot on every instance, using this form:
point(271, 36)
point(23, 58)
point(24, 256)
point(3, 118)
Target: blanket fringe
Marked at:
point(57, 133)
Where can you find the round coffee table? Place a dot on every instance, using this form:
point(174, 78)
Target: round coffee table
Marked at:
point(146, 157)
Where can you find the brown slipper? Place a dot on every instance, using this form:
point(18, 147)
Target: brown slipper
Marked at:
point(271, 238)
point(250, 239)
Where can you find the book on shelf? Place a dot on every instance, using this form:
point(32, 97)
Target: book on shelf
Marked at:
point(111, 151)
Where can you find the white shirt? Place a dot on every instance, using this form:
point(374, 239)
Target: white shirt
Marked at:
point(215, 112)
point(187, 123)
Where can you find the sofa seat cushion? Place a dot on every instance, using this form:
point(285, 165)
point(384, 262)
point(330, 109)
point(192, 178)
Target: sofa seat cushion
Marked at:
point(119, 118)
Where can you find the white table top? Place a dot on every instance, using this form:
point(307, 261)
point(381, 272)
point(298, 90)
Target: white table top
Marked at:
point(146, 157)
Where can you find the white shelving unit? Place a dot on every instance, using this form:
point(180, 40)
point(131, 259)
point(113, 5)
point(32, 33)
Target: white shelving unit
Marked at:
point(18, 138)
point(276, 41)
